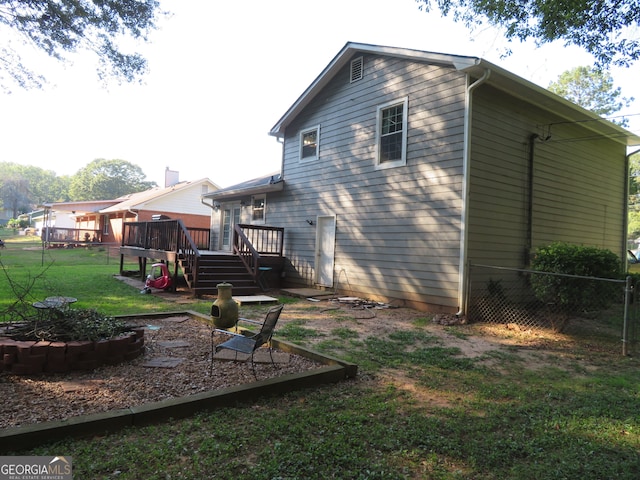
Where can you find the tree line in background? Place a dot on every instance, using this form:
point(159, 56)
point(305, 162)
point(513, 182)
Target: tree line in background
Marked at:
point(24, 188)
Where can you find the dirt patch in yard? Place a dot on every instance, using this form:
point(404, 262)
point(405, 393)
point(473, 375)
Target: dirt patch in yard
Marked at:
point(180, 347)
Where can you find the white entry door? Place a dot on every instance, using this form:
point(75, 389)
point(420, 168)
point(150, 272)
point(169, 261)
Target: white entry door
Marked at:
point(325, 249)
point(230, 216)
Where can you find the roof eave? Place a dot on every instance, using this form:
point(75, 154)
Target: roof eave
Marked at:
point(344, 56)
point(233, 194)
point(500, 78)
point(549, 101)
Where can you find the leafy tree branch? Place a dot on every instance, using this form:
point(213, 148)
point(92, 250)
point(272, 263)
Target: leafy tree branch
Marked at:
point(606, 29)
point(62, 27)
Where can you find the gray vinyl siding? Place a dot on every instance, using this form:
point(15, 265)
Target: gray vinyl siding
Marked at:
point(497, 225)
point(578, 191)
point(588, 207)
point(397, 229)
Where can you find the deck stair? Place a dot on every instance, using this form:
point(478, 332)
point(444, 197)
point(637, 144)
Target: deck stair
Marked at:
point(220, 268)
point(254, 265)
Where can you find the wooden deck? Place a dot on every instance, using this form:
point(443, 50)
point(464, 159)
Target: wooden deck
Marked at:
point(170, 242)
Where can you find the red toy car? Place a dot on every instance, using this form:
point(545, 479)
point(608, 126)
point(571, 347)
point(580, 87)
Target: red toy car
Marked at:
point(159, 277)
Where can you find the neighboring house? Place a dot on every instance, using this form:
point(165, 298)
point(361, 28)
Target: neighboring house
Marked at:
point(401, 168)
point(38, 219)
point(70, 222)
point(178, 201)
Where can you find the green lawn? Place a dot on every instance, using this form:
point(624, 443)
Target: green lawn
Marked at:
point(417, 410)
point(84, 273)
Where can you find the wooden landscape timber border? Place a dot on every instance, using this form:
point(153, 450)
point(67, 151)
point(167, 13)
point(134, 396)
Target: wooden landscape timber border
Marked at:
point(333, 371)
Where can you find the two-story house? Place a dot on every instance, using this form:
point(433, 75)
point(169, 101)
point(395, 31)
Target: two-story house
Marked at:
point(401, 168)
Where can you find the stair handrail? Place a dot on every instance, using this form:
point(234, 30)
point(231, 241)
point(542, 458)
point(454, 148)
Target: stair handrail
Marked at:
point(243, 248)
point(253, 243)
point(268, 241)
point(187, 249)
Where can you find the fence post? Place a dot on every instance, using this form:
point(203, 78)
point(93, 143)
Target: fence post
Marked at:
point(625, 323)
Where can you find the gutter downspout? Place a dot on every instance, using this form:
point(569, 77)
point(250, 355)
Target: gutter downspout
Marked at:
point(526, 255)
point(464, 219)
point(135, 214)
point(213, 209)
point(625, 206)
point(211, 206)
point(280, 140)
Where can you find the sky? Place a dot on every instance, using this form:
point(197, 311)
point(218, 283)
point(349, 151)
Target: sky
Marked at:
point(221, 74)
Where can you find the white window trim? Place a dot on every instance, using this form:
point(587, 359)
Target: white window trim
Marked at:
point(264, 209)
point(405, 115)
point(302, 133)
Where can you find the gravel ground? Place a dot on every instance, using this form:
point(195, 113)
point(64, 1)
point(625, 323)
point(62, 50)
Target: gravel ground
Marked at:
point(34, 399)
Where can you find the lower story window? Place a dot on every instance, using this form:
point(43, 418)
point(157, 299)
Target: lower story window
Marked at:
point(105, 224)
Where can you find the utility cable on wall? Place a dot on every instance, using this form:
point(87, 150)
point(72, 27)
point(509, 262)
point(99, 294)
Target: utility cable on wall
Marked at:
point(546, 129)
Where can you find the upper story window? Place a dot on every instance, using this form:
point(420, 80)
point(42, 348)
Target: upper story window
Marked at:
point(257, 209)
point(309, 144)
point(391, 141)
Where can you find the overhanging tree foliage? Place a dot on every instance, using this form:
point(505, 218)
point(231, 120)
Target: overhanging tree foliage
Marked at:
point(61, 27)
point(606, 29)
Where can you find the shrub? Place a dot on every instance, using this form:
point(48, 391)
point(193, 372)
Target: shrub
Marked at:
point(571, 294)
point(16, 223)
point(68, 325)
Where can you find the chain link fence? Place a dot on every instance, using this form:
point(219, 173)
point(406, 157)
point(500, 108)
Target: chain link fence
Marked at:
point(530, 299)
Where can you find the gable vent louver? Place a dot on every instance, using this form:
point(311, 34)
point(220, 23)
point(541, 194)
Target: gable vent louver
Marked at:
point(356, 69)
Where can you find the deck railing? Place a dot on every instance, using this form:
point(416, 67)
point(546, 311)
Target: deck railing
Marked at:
point(257, 246)
point(70, 236)
point(252, 243)
point(169, 236)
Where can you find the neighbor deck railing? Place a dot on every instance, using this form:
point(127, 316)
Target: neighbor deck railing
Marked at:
point(70, 236)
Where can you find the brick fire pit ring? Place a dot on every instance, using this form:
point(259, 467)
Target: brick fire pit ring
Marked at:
point(35, 357)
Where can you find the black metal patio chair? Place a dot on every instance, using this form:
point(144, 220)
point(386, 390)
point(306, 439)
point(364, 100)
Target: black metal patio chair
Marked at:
point(248, 344)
